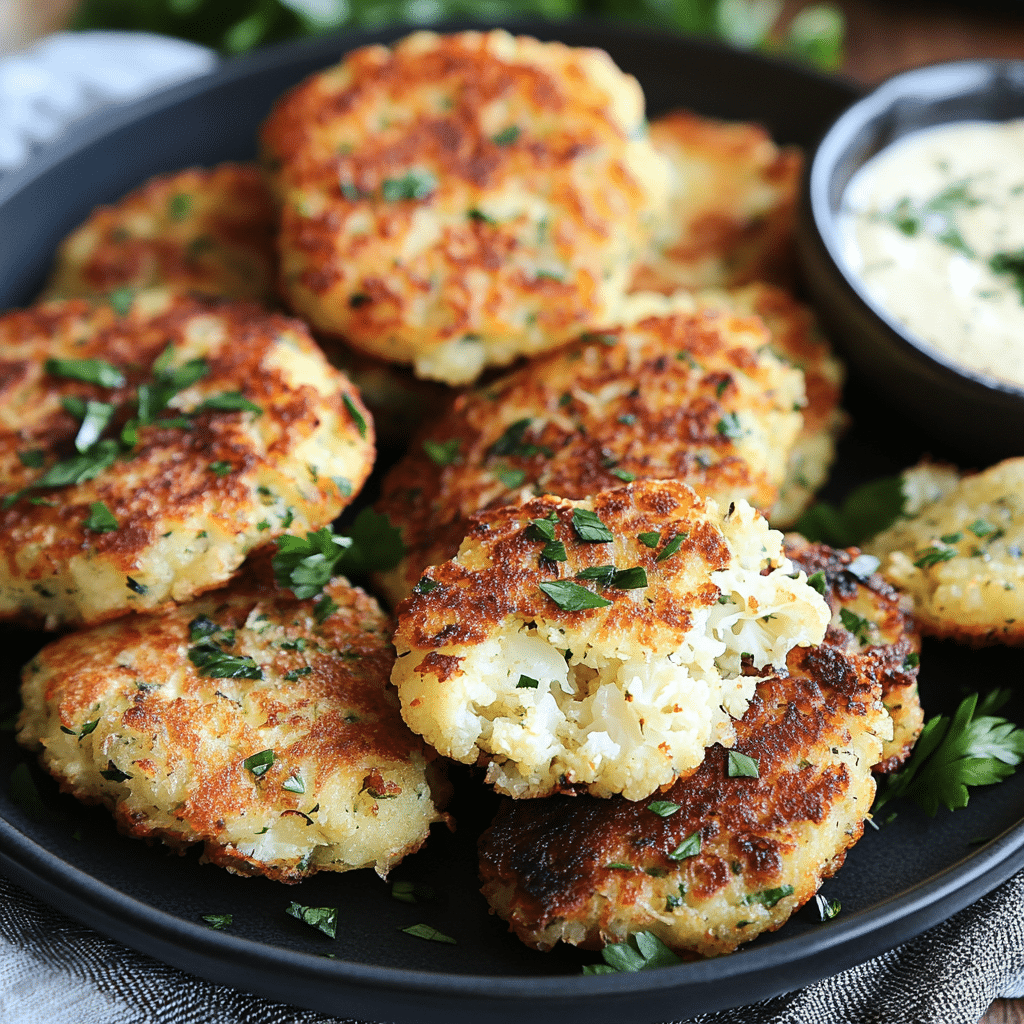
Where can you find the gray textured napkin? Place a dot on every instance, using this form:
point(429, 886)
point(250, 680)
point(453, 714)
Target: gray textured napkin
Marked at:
point(56, 971)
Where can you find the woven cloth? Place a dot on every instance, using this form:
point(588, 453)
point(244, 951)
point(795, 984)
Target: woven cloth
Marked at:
point(56, 971)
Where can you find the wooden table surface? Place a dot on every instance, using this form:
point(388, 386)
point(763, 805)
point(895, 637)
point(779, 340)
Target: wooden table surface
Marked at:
point(888, 36)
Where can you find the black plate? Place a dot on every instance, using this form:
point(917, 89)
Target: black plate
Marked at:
point(897, 881)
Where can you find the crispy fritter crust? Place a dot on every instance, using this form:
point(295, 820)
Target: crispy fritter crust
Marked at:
point(591, 872)
point(208, 231)
point(457, 201)
point(623, 694)
point(688, 396)
point(958, 551)
point(191, 498)
point(889, 633)
point(732, 201)
point(122, 717)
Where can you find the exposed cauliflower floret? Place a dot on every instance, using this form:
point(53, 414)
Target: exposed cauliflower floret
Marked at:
point(596, 645)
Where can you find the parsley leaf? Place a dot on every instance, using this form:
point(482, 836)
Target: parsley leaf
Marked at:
point(424, 931)
point(974, 748)
point(213, 663)
point(741, 766)
point(100, 518)
point(374, 544)
point(259, 763)
point(527, 683)
point(509, 477)
point(650, 540)
point(324, 919)
point(228, 401)
point(589, 528)
point(218, 921)
point(506, 136)
point(306, 566)
point(768, 897)
point(414, 184)
point(868, 510)
point(90, 371)
point(511, 442)
point(443, 453)
point(554, 551)
point(640, 952)
point(357, 417)
point(672, 546)
point(571, 597)
point(662, 808)
point(689, 847)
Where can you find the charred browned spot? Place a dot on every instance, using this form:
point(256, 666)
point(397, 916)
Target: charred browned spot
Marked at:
point(378, 787)
point(441, 665)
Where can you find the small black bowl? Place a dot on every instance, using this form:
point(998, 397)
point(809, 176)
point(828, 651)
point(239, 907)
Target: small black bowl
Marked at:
point(975, 416)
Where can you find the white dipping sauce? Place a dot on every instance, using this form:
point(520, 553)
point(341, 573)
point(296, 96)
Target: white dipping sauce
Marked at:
point(934, 228)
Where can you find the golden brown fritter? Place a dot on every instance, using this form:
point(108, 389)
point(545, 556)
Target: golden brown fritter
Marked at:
point(868, 615)
point(958, 551)
point(214, 428)
point(597, 645)
point(731, 206)
point(242, 722)
point(720, 856)
point(694, 397)
point(208, 231)
point(457, 201)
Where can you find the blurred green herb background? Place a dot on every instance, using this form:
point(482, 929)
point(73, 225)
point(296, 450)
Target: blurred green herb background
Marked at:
point(815, 34)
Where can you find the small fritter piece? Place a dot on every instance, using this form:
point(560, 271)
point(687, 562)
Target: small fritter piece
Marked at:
point(959, 556)
point(797, 339)
point(870, 617)
point(457, 201)
point(731, 206)
point(694, 397)
point(144, 452)
point(207, 231)
point(721, 856)
point(242, 722)
point(596, 646)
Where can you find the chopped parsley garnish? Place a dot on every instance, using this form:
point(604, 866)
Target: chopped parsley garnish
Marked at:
point(218, 921)
point(951, 538)
point(201, 627)
point(511, 442)
point(228, 401)
point(220, 468)
point(443, 453)
point(306, 566)
point(927, 557)
point(481, 217)
point(662, 808)
point(818, 582)
point(352, 192)
point(87, 727)
point(729, 426)
point(214, 663)
point(358, 418)
point(973, 748)
point(414, 184)
point(294, 784)
point(630, 579)
point(542, 529)
point(374, 545)
point(426, 585)
point(259, 763)
point(642, 951)
point(114, 774)
point(620, 865)
point(827, 908)
point(740, 766)
point(589, 528)
point(912, 660)
point(672, 546)
point(121, 300)
point(980, 528)
point(689, 847)
point(296, 673)
point(768, 897)
point(623, 474)
point(100, 518)
point(424, 931)
point(91, 371)
point(527, 683)
point(1012, 264)
point(554, 551)
point(506, 136)
point(324, 919)
point(650, 540)
point(178, 206)
point(571, 597)
point(860, 627)
point(32, 459)
point(509, 477)
point(604, 574)
point(324, 609)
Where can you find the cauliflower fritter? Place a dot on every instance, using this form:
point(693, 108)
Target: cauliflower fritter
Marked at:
point(731, 206)
point(725, 854)
point(457, 201)
point(694, 397)
point(144, 452)
point(208, 231)
point(959, 554)
point(869, 617)
point(596, 646)
point(241, 722)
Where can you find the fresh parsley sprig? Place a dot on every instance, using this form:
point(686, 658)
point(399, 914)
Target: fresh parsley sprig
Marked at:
point(640, 952)
point(866, 511)
point(973, 748)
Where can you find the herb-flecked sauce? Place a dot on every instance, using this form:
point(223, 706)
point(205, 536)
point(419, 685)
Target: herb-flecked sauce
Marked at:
point(934, 228)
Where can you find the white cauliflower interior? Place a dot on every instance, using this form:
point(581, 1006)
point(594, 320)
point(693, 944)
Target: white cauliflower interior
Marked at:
point(624, 698)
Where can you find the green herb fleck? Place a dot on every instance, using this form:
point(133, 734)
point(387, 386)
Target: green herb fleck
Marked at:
point(178, 206)
point(259, 763)
point(827, 909)
point(630, 579)
point(213, 663)
point(424, 931)
point(689, 847)
point(426, 585)
point(980, 528)
point(768, 897)
point(554, 551)
point(220, 468)
point(589, 527)
point(650, 540)
point(729, 426)
point(414, 184)
point(296, 673)
point(642, 951)
point(527, 683)
point(218, 921)
point(927, 557)
point(357, 417)
point(662, 808)
point(100, 518)
point(571, 597)
point(294, 784)
point(860, 627)
point(623, 474)
point(228, 401)
point(412, 892)
point(32, 459)
point(818, 582)
point(121, 300)
point(324, 919)
point(114, 774)
point(506, 136)
point(740, 766)
point(509, 477)
point(443, 453)
point(91, 371)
